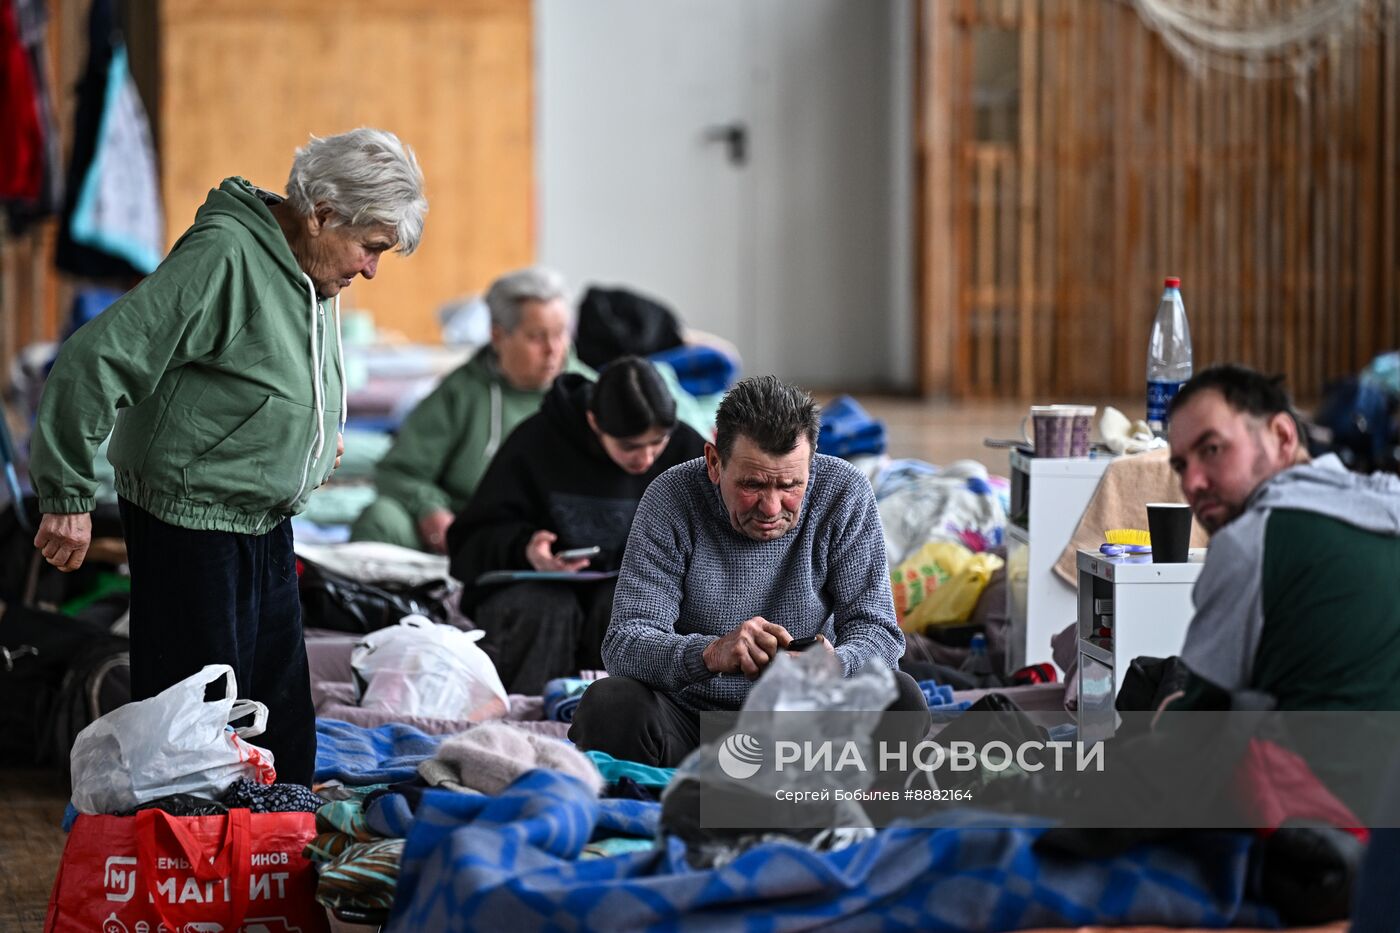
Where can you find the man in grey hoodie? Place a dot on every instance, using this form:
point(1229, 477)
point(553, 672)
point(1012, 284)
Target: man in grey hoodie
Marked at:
point(1300, 594)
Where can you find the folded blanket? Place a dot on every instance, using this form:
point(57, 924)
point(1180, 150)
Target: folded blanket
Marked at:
point(700, 370)
point(383, 755)
point(562, 696)
point(358, 755)
point(614, 768)
point(848, 430)
point(491, 756)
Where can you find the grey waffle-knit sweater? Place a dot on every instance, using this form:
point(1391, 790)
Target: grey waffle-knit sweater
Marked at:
point(688, 577)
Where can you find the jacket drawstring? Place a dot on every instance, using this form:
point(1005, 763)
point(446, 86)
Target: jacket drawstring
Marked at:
point(318, 390)
point(340, 365)
point(497, 418)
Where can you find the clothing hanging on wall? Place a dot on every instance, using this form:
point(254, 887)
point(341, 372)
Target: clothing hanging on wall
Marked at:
point(32, 20)
point(21, 135)
point(113, 223)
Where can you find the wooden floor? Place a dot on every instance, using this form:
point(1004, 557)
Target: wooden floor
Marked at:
point(32, 802)
point(30, 845)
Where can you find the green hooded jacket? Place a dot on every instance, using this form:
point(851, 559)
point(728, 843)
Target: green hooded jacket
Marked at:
point(447, 441)
point(223, 372)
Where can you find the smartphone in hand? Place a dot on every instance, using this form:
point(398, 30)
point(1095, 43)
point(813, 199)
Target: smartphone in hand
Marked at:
point(801, 644)
point(578, 552)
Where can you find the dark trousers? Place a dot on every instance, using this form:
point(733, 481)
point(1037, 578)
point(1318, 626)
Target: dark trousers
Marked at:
point(628, 719)
point(215, 597)
point(538, 631)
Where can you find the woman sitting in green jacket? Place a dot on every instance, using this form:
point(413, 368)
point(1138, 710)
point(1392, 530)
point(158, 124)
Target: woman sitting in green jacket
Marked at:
point(445, 444)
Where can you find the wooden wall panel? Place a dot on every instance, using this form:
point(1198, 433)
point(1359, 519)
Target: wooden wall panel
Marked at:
point(34, 300)
point(1275, 199)
point(245, 82)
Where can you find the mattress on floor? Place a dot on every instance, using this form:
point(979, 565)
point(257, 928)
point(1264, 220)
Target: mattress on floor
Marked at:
point(332, 691)
point(338, 702)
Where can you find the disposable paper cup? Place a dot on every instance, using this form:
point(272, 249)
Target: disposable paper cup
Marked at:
point(1079, 442)
point(1169, 524)
point(1052, 430)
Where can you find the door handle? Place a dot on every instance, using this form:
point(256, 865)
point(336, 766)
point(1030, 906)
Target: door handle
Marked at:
point(735, 137)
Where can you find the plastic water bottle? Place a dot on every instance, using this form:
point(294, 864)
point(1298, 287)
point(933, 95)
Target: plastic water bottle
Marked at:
point(1168, 355)
point(978, 664)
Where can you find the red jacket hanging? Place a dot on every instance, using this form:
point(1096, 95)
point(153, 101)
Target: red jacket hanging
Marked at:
point(21, 137)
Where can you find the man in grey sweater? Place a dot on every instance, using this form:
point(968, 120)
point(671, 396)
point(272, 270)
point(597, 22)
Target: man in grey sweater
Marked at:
point(730, 559)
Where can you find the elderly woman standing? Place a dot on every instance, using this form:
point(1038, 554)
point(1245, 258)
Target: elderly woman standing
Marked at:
point(224, 375)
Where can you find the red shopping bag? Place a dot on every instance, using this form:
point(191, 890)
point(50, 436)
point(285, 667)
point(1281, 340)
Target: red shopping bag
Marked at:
point(157, 873)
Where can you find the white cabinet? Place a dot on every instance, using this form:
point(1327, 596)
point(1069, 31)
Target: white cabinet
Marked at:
point(1048, 496)
point(1129, 608)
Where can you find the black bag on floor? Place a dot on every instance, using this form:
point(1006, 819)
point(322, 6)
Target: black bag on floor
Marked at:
point(37, 649)
point(98, 680)
point(334, 601)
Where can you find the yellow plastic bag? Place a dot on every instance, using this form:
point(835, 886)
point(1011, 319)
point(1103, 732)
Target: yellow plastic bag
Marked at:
point(940, 585)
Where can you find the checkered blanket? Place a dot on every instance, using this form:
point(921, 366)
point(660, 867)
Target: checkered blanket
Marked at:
point(357, 756)
point(510, 862)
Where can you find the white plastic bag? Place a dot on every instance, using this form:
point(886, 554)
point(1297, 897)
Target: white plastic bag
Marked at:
point(419, 668)
point(176, 742)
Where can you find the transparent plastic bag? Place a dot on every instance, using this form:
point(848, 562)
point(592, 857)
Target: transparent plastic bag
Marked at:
point(801, 698)
point(419, 668)
point(176, 742)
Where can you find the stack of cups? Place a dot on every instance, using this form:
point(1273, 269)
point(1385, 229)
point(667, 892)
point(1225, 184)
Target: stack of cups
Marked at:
point(1059, 430)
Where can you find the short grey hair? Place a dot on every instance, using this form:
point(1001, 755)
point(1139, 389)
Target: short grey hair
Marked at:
point(508, 294)
point(768, 412)
point(366, 177)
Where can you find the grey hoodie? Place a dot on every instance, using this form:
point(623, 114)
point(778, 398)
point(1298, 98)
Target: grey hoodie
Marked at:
point(1223, 637)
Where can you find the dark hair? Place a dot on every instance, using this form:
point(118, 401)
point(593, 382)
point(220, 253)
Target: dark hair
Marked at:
point(768, 412)
point(1245, 390)
point(630, 397)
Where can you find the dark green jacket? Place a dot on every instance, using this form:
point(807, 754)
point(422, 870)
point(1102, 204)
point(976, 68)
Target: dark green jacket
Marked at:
point(223, 373)
point(447, 441)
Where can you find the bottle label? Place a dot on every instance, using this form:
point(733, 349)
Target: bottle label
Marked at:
point(1159, 396)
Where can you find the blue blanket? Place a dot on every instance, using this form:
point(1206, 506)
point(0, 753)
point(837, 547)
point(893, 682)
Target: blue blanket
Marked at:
point(355, 755)
point(562, 696)
point(701, 370)
point(848, 430)
point(509, 862)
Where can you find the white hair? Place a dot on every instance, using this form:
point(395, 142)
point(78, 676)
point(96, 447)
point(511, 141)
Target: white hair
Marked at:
point(509, 292)
point(366, 177)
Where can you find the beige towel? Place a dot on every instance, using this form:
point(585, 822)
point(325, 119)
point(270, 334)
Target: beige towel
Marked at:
point(1120, 501)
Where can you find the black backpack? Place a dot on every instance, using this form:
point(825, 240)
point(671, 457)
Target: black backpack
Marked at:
point(615, 322)
point(38, 653)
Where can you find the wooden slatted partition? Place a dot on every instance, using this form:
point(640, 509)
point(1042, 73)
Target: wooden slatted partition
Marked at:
point(1275, 197)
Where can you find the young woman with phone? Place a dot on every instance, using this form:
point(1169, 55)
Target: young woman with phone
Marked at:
point(558, 499)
